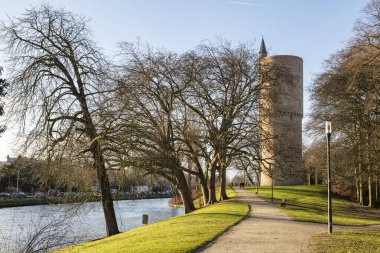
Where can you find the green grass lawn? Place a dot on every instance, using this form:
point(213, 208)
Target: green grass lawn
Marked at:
point(358, 241)
point(309, 203)
point(183, 233)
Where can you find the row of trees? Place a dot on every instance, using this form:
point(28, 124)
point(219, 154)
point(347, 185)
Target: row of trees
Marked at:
point(30, 175)
point(19, 175)
point(193, 113)
point(177, 116)
point(347, 93)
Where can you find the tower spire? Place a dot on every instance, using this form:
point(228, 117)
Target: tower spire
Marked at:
point(263, 50)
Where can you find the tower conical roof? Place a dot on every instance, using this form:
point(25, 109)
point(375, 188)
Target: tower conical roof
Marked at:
point(263, 50)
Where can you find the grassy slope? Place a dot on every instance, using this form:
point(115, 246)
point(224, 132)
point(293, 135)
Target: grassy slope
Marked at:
point(358, 241)
point(179, 234)
point(309, 203)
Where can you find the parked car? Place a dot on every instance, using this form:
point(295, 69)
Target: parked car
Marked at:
point(114, 192)
point(4, 195)
point(61, 194)
point(70, 194)
point(19, 195)
point(52, 193)
point(39, 195)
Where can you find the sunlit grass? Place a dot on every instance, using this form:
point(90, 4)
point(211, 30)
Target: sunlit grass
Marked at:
point(358, 241)
point(179, 234)
point(309, 203)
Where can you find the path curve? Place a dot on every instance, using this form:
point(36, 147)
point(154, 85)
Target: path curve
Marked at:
point(266, 229)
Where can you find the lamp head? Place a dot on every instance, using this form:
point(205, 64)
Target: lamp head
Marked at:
point(328, 127)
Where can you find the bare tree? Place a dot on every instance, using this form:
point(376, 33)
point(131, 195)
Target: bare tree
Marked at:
point(314, 162)
point(347, 93)
point(196, 108)
point(249, 167)
point(59, 86)
point(148, 138)
point(3, 86)
point(368, 28)
point(194, 147)
point(223, 93)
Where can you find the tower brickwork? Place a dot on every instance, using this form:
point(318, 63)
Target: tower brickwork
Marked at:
point(281, 112)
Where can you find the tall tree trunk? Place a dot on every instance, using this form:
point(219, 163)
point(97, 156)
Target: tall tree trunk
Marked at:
point(212, 189)
point(377, 175)
point(205, 191)
point(223, 176)
point(101, 171)
point(223, 179)
point(360, 172)
point(377, 189)
point(357, 185)
point(203, 181)
point(185, 192)
point(308, 178)
point(106, 197)
point(370, 203)
point(361, 193)
point(189, 176)
point(315, 177)
point(213, 168)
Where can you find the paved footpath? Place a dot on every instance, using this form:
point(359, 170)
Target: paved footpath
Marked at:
point(266, 229)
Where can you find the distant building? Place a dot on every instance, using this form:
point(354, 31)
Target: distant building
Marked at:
point(9, 161)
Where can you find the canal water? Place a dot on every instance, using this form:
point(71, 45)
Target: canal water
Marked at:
point(61, 225)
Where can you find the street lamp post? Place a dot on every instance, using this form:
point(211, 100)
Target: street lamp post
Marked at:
point(328, 136)
point(271, 179)
point(18, 177)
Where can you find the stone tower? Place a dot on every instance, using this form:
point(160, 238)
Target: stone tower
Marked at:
point(281, 112)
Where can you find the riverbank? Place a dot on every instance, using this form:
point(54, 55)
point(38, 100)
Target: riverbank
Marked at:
point(183, 233)
point(73, 223)
point(4, 203)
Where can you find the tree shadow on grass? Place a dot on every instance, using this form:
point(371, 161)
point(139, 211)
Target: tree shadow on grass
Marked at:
point(348, 211)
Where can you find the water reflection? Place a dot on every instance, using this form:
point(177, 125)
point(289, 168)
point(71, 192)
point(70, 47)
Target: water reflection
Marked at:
point(76, 222)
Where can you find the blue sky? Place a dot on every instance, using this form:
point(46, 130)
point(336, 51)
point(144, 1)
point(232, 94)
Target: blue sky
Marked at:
point(311, 29)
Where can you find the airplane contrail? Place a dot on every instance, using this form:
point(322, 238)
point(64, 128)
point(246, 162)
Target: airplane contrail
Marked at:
point(244, 3)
